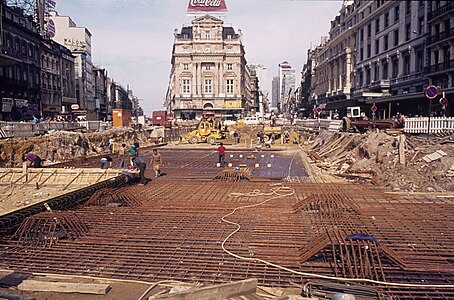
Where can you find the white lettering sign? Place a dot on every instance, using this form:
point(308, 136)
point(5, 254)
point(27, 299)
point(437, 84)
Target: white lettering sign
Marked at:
point(206, 3)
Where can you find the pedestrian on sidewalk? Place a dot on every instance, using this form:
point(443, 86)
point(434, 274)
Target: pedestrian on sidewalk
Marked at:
point(221, 153)
point(121, 155)
point(156, 162)
point(141, 165)
point(35, 160)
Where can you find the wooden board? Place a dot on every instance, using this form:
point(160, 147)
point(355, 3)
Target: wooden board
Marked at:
point(64, 287)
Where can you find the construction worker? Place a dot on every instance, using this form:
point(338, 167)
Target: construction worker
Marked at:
point(141, 165)
point(36, 161)
point(156, 162)
point(121, 155)
point(221, 153)
point(106, 162)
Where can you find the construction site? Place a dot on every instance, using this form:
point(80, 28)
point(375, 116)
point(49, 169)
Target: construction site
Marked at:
point(318, 216)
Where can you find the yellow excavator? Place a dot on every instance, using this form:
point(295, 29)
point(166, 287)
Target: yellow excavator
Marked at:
point(208, 130)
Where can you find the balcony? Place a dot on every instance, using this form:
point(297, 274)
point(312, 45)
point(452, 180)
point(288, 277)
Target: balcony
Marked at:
point(380, 84)
point(440, 11)
point(441, 36)
point(444, 66)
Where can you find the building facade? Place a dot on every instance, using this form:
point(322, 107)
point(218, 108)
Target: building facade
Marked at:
point(287, 83)
point(100, 92)
point(57, 78)
point(383, 53)
point(275, 92)
point(440, 44)
point(20, 65)
point(209, 76)
point(391, 56)
point(78, 40)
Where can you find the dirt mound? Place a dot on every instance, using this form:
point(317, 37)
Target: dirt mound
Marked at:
point(396, 162)
point(60, 146)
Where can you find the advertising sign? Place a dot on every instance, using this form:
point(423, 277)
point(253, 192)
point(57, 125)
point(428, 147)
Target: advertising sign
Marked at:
point(50, 28)
point(201, 6)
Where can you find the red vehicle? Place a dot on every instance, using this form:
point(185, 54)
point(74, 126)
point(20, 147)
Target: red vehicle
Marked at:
point(159, 118)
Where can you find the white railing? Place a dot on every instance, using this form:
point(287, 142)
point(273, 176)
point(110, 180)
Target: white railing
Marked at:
point(421, 125)
point(331, 125)
point(26, 129)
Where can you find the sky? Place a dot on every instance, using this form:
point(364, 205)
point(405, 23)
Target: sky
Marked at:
point(133, 39)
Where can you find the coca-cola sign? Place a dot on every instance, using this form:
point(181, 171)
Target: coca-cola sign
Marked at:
point(207, 6)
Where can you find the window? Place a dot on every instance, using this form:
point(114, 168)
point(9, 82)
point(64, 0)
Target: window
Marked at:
point(229, 67)
point(230, 86)
point(207, 35)
point(421, 3)
point(377, 25)
point(360, 78)
point(367, 75)
point(361, 35)
point(207, 67)
point(368, 50)
point(186, 86)
point(447, 25)
point(361, 54)
point(419, 60)
point(397, 12)
point(395, 66)
point(396, 37)
point(208, 86)
point(186, 66)
point(421, 26)
point(408, 7)
point(436, 57)
point(406, 58)
point(369, 30)
point(385, 43)
point(377, 46)
point(386, 19)
point(407, 31)
point(377, 71)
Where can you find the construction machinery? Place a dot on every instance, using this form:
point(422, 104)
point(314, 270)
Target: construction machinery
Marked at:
point(208, 130)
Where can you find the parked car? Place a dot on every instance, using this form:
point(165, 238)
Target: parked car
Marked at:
point(252, 121)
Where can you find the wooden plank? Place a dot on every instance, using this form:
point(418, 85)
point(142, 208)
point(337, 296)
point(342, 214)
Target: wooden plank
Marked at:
point(215, 292)
point(72, 180)
point(402, 150)
point(6, 174)
point(63, 287)
point(41, 184)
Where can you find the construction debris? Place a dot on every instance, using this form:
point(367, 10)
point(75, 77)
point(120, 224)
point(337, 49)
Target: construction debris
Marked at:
point(402, 163)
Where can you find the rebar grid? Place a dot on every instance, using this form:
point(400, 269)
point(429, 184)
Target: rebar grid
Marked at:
point(110, 197)
point(48, 228)
point(176, 234)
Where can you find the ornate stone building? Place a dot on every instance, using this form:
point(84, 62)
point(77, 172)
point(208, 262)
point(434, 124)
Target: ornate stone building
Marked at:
point(209, 76)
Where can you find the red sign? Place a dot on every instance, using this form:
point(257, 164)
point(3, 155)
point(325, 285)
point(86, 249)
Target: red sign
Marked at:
point(207, 6)
point(373, 108)
point(444, 101)
point(431, 92)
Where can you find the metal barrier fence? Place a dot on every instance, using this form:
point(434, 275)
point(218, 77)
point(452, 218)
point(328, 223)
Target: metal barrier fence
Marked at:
point(421, 125)
point(26, 129)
